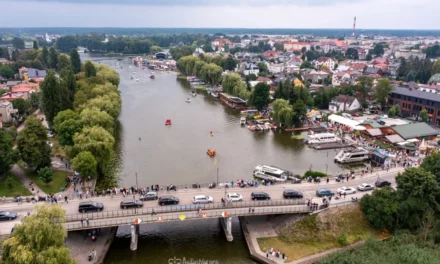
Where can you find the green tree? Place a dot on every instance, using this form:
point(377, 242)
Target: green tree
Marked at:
point(64, 116)
point(8, 156)
point(68, 81)
point(378, 50)
point(108, 74)
point(155, 49)
point(6, 71)
point(51, 97)
point(306, 65)
point(18, 43)
point(21, 105)
point(431, 163)
point(282, 113)
point(234, 85)
point(85, 163)
point(90, 117)
point(424, 115)
point(40, 238)
point(80, 99)
point(89, 69)
point(279, 46)
point(381, 208)
point(63, 62)
point(299, 112)
point(352, 54)
point(75, 61)
point(31, 143)
point(35, 100)
point(229, 64)
point(35, 44)
point(110, 103)
point(368, 57)
point(382, 91)
point(45, 56)
point(67, 130)
point(207, 48)
point(45, 174)
point(53, 58)
point(394, 111)
point(260, 96)
point(211, 73)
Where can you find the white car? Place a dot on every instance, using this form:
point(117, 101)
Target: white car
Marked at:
point(49, 143)
point(365, 187)
point(234, 197)
point(198, 199)
point(346, 190)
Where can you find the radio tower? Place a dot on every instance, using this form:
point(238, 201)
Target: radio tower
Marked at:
point(354, 27)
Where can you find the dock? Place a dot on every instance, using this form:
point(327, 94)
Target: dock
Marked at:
point(334, 145)
point(301, 128)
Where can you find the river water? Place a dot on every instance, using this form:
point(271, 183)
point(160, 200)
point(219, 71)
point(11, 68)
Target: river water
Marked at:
point(176, 154)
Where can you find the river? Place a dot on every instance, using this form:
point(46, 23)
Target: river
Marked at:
point(176, 154)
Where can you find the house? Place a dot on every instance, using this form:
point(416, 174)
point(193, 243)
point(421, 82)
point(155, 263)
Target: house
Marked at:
point(358, 67)
point(372, 71)
point(9, 97)
point(26, 89)
point(404, 53)
point(315, 76)
point(21, 72)
point(248, 68)
point(276, 68)
point(6, 112)
point(220, 43)
point(429, 88)
point(343, 103)
point(28, 45)
point(296, 46)
point(31, 73)
point(341, 78)
point(393, 67)
point(268, 55)
point(416, 130)
point(327, 61)
point(265, 80)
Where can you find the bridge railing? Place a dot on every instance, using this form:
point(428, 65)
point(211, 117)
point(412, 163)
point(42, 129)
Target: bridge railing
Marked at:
point(181, 208)
point(188, 216)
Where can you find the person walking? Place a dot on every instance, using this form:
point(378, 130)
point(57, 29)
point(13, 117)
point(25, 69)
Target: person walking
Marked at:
point(82, 222)
point(328, 180)
point(345, 194)
point(87, 221)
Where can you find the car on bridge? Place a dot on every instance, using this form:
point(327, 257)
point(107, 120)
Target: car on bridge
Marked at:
point(234, 197)
point(199, 199)
point(149, 196)
point(260, 196)
point(168, 200)
point(85, 207)
point(365, 187)
point(346, 190)
point(324, 192)
point(289, 194)
point(382, 183)
point(131, 203)
point(5, 215)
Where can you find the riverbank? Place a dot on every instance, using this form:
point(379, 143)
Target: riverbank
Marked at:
point(81, 246)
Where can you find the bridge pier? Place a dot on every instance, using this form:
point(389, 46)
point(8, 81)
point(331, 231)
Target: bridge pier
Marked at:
point(226, 223)
point(134, 237)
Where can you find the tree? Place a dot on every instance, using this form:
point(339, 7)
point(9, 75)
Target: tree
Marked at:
point(352, 53)
point(51, 97)
point(45, 56)
point(299, 112)
point(18, 43)
point(35, 45)
point(279, 46)
point(63, 116)
point(282, 113)
point(431, 163)
point(21, 105)
point(207, 48)
point(368, 57)
point(6, 71)
point(68, 81)
point(155, 49)
point(382, 91)
point(63, 62)
point(53, 58)
point(230, 64)
point(381, 208)
point(436, 67)
point(40, 238)
point(234, 85)
point(75, 61)
point(90, 117)
point(31, 143)
point(89, 69)
point(67, 130)
point(306, 65)
point(394, 111)
point(85, 163)
point(8, 156)
point(260, 96)
point(80, 99)
point(211, 73)
point(378, 50)
point(424, 115)
point(45, 174)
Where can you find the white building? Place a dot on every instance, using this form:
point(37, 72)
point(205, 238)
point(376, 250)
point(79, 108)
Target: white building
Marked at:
point(276, 68)
point(327, 61)
point(343, 103)
point(6, 111)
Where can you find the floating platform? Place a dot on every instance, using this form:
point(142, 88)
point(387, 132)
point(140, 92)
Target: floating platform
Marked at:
point(301, 128)
point(334, 145)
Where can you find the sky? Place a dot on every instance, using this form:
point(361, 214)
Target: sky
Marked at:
point(371, 14)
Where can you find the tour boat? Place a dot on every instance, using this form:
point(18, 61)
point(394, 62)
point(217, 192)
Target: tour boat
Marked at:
point(352, 155)
point(322, 138)
point(211, 152)
point(188, 100)
point(270, 173)
point(242, 121)
point(168, 122)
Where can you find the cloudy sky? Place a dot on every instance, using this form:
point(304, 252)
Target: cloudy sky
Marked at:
point(371, 14)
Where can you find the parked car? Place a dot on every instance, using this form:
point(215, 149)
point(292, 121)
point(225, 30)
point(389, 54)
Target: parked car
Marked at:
point(324, 192)
point(198, 199)
point(234, 197)
point(346, 190)
point(260, 196)
point(89, 206)
point(289, 194)
point(167, 200)
point(5, 215)
point(131, 203)
point(365, 187)
point(382, 183)
point(149, 196)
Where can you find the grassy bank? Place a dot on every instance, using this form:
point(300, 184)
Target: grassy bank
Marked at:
point(58, 179)
point(16, 189)
point(333, 228)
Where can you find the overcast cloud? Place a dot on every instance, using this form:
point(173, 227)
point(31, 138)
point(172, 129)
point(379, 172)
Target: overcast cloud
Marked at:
point(385, 14)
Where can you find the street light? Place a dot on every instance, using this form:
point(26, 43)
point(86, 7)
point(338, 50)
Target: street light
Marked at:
point(137, 186)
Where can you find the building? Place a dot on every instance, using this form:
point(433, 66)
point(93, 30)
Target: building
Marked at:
point(404, 53)
point(161, 55)
point(412, 101)
point(9, 97)
point(340, 78)
point(28, 45)
point(343, 103)
point(220, 43)
point(416, 130)
point(372, 71)
point(248, 68)
point(6, 112)
point(296, 46)
point(276, 68)
point(232, 101)
point(435, 79)
point(315, 76)
point(327, 61)
point(265, 80)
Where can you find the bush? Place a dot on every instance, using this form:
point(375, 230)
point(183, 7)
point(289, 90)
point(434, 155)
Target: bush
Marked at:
point(314, 174)
point(342, 240)
point(45, 174)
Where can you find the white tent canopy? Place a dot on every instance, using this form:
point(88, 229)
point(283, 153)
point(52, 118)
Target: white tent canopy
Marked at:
point(344, 121)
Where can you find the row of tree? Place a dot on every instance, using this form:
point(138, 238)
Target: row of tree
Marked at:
point(417, 70)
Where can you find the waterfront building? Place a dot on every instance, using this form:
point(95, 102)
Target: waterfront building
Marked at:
point(233, 101)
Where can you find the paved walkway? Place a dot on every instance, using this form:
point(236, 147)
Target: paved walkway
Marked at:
point(17, 171)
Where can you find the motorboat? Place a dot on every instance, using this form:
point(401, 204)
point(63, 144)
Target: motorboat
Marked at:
point(270, 173)
point(251, 128)
point(193, 93)
point(322, 138)
point(214, 94)
point(188, 100)
point(242, 121)
point(168, 122)
point(152, 76)
point(352, 155)
point(137, 80)
point(211, 152)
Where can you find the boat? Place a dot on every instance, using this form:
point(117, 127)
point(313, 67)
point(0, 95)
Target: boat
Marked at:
point(251, 128)
point(322, 138)
point(270, 173)
point(152, 76)
point(131, 77)
point(267, 125)
point(168, 122)
point(137, 80)
point(214, 94)
point(352, 155)
point(211, 152)
point(193, 93)
point(261, 127)
point(242, 121)
point(188, 100)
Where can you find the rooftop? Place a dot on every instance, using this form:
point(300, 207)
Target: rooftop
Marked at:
point(416, 93)
point(415, 130)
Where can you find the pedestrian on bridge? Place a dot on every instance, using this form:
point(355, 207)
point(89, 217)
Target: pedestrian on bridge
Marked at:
point(87, 221)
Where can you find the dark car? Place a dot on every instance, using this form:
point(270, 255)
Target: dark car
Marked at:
point(324, 192)
point(289, 194)
point(131, 203)
point(168, 199)
point(5, 215)
point(382, 183)
point(260, 196)
point(149, 196)
point(90, 206)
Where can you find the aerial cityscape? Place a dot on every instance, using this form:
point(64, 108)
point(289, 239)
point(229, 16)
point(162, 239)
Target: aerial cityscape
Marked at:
point(191, 131)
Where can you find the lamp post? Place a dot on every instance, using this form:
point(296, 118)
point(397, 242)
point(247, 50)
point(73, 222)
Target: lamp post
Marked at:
point(137, 186)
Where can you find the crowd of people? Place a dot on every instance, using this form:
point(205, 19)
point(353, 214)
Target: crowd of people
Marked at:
point(275, 253)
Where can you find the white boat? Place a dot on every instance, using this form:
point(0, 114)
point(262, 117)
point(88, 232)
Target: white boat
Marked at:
point(242, 121)
point(193, 93)
point(188, 100)
point(322, 138)
point(352, 155)
point(137, 80)
point(214, 94)
point(270, 173)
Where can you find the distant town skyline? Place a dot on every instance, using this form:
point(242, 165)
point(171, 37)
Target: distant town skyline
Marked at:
point(371, 14)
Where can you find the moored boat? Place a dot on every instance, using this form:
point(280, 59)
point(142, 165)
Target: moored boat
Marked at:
point(211, 152)
point(168, 122)
point(242, 121)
